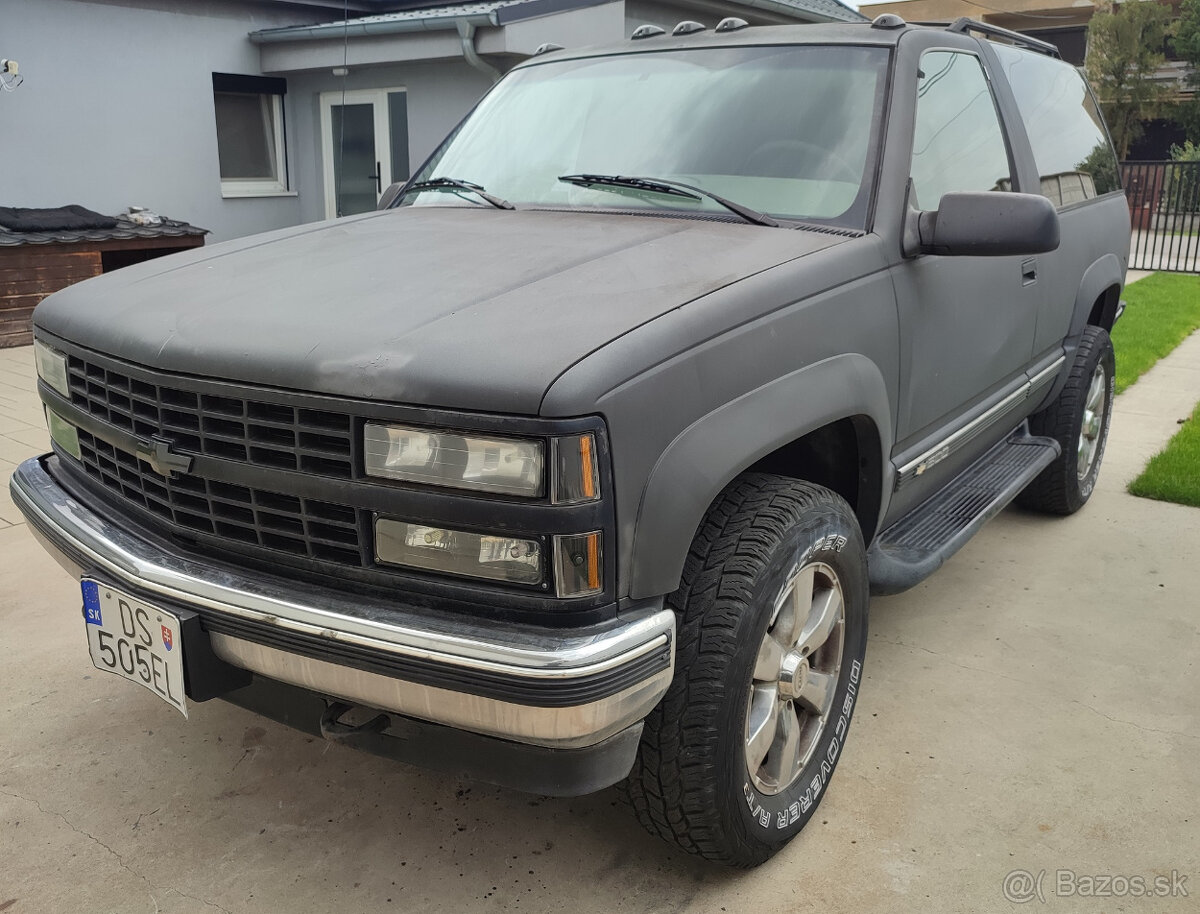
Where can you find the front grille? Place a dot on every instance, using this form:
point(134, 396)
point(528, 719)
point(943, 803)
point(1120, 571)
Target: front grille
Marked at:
point(302, 527)
point(277, 483)
point(249, 431)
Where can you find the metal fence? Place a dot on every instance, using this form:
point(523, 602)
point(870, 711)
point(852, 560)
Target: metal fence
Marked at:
point(1164, 206)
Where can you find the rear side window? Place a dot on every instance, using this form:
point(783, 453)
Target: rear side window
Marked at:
point(957, 141)
point(1074, 156)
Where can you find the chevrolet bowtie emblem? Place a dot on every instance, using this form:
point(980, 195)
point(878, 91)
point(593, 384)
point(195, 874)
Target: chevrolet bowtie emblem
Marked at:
point(157, 452)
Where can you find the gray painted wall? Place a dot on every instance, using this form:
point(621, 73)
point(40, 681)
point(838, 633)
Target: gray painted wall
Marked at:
point(117, 108)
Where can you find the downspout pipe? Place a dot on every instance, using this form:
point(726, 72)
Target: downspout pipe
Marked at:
point(466, 32)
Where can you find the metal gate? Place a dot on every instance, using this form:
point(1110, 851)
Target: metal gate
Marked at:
point(1164, 206)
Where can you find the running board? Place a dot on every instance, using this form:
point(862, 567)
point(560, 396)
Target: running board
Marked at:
point(919, 543)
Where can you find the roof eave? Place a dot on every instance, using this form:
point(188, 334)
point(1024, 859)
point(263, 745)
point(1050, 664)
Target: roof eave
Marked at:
point(364, 29)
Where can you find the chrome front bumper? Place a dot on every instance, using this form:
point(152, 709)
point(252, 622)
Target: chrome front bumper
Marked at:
point(562, 689)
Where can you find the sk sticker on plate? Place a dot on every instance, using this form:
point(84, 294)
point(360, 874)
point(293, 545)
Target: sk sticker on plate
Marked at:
point(91, 603)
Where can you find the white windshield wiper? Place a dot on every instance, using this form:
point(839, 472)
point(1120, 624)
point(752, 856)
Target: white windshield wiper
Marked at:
point(670, 188)
point(458, 184)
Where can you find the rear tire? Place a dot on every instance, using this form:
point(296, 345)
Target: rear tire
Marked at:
point(1078, 420)
point(772, 632)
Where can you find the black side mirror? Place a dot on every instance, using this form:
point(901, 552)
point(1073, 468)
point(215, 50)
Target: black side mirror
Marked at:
point(983, 225)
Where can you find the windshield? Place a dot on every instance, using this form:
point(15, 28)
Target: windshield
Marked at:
point(789, 131)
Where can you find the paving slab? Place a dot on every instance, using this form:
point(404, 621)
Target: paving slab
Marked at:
point(1033, 707)
point(1150, 412)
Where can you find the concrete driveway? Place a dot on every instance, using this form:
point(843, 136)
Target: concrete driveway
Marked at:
point(1035, 706)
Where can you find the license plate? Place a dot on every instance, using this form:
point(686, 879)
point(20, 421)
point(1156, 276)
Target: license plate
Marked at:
point(136, 641)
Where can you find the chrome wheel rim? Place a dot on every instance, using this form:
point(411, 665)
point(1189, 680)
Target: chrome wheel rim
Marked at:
point(795, 677)
point(1091, 428)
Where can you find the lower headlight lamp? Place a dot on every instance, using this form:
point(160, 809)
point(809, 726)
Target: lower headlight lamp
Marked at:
point(516, 560)
point(63, 433)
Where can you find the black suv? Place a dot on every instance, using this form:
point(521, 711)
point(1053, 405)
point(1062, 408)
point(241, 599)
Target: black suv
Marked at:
point(576, 464)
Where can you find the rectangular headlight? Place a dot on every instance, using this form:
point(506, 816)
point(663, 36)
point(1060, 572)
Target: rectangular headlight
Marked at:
point(51, 367)
point(506, 466)
point(475, 555)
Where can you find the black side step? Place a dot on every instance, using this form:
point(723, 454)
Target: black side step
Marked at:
point(916, 545)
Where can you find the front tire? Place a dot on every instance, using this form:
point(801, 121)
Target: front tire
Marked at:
point(772, 632)
point(1078, 419)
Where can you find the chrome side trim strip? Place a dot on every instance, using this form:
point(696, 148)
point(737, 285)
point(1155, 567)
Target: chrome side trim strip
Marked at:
point(1048, 373)
point(968, 431)
point(953, 442)
point(520, 651)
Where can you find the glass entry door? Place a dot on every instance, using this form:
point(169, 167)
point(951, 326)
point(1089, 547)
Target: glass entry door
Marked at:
point(364, 136)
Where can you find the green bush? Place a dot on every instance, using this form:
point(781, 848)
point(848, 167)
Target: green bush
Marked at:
point(1181, 189)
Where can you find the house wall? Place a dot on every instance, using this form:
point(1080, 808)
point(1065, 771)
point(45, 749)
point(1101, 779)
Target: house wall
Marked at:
point(116, 107)
point(1063, 12)
point(600, 24)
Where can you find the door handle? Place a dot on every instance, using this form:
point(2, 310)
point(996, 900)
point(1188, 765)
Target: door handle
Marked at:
point(378, 176)
point(1029, 271)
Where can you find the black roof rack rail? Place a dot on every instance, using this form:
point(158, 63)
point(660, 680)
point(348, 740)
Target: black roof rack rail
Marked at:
point(966, 25)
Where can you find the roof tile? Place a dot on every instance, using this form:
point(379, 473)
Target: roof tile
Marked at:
point(125, 229)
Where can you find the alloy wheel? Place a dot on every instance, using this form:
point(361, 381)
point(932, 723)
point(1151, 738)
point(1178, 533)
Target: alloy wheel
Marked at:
point(795, 677)
point(1092, 427)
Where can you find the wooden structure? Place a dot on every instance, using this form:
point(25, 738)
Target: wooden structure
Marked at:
point(35, 264)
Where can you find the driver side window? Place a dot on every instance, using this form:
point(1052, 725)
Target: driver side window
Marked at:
point(957, 141)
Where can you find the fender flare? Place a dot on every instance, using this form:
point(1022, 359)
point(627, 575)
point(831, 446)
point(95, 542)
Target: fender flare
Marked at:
point(707, 455)
point(1103, 274)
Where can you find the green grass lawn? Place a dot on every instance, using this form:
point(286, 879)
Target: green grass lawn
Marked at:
point(1161, 310)
point(1174, 474)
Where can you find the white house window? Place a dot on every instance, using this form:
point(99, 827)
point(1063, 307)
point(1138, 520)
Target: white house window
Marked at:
point(250, 134)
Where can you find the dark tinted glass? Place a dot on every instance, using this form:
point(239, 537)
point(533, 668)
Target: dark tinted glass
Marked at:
point(1071, 41)
point(398, 125)
point(957, 142)
point(245, 135)
point(354, 159)
point(1074, 157)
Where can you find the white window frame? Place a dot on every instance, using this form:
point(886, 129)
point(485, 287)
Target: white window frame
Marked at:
point(258, 187)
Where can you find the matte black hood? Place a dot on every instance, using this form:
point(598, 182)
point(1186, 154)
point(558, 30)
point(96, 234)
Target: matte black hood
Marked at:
point(439, 306)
